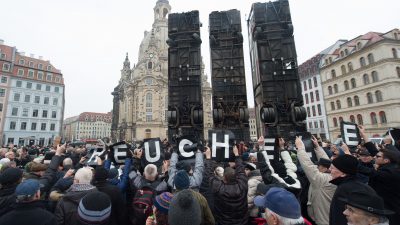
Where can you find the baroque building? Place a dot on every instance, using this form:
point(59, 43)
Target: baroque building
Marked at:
point(361, 82)
point(140, 99)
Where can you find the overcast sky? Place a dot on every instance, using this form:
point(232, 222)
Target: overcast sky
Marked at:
point(88, 39)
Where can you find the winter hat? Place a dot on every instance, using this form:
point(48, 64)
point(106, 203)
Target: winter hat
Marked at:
point(184, 209)
point(100, 174)
point(364, 152)
point(181, 180)
point(27, 188)
point(163, 201)
point(281, 202)
point(245, 156)
point(94, 208)
point(37, 167)
point(250, 166)
point(324, 162)
point(182, 165)
point(347, 164)
point(10, 176)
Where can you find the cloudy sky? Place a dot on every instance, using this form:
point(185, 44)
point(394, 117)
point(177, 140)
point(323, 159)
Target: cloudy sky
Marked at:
point(88, 39)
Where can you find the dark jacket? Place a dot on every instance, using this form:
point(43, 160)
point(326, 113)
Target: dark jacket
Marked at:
point(345, 185)
point(386, 182)
point(67, 207)
point(7, 199)
point(205, 185)
point(32, 213)
point(230, 204)
point(118, 211)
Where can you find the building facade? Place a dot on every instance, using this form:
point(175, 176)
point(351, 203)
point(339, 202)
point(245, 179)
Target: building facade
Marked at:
point(361, 81)
point(141, 98)
point(87, 125)
point(33, 103)
point(310, 79)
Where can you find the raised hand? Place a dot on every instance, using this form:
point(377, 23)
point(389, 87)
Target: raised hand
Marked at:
point(299, 143)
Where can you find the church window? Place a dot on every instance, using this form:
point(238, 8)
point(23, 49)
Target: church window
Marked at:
point(149, 65)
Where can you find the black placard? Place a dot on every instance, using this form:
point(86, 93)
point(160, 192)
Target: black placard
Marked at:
point(119, 152)
point(153, 153)
point(221, 142)
point(350, 134)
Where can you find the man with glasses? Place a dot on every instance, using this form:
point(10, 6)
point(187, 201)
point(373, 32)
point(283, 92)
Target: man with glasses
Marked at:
point(365, 208)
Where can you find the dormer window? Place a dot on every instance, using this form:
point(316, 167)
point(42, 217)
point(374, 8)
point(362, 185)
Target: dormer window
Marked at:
point(359, 45)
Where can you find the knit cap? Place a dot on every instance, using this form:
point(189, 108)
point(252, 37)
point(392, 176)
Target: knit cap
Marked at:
point(181, 180)
point(184, 209)
point(94, 208)
point(347, 164)
point(10, 176)
point(163, 201)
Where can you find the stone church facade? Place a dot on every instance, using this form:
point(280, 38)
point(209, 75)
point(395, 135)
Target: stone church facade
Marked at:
point(140, 99)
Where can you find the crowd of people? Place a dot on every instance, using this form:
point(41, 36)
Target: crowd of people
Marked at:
point(341, 186)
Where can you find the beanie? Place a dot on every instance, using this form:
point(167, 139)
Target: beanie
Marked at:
point(181, 180)
point(347, 164)
point(94, 208)
point(163, 201)
point(184, 209)
point(100, 174)
point(10, 176)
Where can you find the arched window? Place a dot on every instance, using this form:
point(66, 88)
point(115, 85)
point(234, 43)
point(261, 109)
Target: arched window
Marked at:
point(394, 51)
point(343, 68)
point(382, 117)
point(370, 58)
point(149, 100)
point(330, 90)
point(341, 53)
point(149, 65)
point(366, 79)
point(335, 88)
point(346, 85)
point(362, 61)
point(373, 118)
point(349, 102)
point(352, 119)
point(359, 45)
point(338, 104)
point(375, 76)
point(332, 106)
point(360, 119)
point(333, 73)
point(353, 83)
point(346, 51)
point(315, 82)
point(340, 119)
point(398, 71)
point(350, 66)
point(356, 101)
point(378, 95)
point(369, 98)
point(317, 95)
point(335, 124)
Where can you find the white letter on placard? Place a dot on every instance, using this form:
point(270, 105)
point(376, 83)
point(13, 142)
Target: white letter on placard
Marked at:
point(147, 152)
point(216, 144)
point(93, 157)
point(120, 153)
point(348, 135)
point(182, 143)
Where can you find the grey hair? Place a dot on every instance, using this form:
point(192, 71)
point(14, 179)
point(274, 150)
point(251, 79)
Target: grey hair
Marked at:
point(84, 175)
point(67, 162)
point(283, 220)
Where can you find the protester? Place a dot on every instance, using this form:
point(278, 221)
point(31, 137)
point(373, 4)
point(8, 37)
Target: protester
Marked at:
point(281, 207)
point(9, 179)
point(160, 209)
point(320, 192)
point(230, 194)
point(343, 172)
point(94, 208)
point(365, 208)
point(184, 209)
point(255, 178)
point(28, 208)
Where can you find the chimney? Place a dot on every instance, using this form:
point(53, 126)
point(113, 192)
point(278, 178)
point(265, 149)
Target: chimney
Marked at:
point(41, 57)
point(32, 55)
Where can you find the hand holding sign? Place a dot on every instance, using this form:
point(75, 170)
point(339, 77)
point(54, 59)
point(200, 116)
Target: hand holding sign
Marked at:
point(208, 153)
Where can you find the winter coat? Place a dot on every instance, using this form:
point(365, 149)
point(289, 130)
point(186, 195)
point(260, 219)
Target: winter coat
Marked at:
point(67, 208)
point(195, 179)
point(254, 179)
point(205, 186)
point(345, 185)
point(138, 182)
point(31, 213)
point(320, 192)
point(207, 217)
point(7, 199)
point(230, 203)
point(386, 182)
point(118, 209)
point(123, 182)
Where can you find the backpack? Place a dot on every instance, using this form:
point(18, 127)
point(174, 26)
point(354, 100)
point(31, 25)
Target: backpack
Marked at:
point(142, 204)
